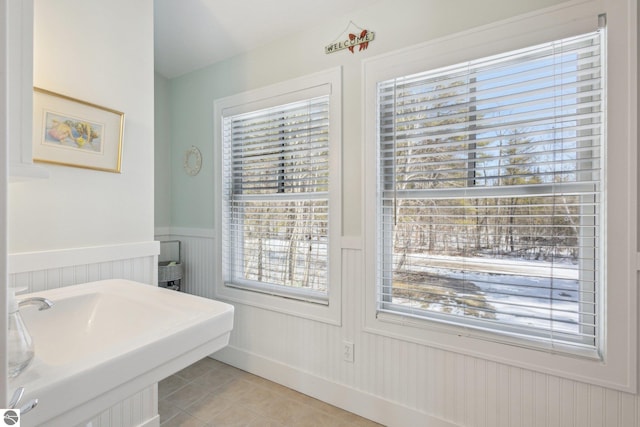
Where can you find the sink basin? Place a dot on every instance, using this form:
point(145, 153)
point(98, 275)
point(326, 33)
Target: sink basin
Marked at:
point(78, 327)
point(103, 341)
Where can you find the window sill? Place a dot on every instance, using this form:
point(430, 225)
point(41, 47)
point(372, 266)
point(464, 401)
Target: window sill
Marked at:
point(312, 310)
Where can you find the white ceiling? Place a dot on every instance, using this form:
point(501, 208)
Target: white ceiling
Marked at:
point(191, 34)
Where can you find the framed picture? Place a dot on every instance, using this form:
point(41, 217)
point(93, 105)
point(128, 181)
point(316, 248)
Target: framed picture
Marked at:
point(70, 132)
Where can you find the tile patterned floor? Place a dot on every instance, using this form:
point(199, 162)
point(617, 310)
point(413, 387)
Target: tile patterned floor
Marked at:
point(210, 393)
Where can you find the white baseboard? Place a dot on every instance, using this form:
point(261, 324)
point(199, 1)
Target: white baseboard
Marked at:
point(366, 405)
point(153, 422)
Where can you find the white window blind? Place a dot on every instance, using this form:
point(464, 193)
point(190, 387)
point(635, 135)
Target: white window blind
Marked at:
point(276, 178)
point(489, 194)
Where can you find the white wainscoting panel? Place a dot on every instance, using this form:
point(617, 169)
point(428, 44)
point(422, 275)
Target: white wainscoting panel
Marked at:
point(197, 256)
point(39, 271)
point(394, 382)
point(138, 410)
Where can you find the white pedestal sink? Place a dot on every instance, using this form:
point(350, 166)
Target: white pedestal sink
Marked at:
point(103, 341)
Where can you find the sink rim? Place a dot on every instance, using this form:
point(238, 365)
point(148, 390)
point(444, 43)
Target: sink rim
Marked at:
point(94, 296)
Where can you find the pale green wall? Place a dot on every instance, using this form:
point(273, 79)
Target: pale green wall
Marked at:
point(162, 153)
point(396, 23)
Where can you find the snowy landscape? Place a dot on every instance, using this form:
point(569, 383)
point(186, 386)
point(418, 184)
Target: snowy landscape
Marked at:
point(532, 293)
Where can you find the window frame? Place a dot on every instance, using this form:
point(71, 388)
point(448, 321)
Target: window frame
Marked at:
point(465, 187)
point(619, 326)
point(303, 304)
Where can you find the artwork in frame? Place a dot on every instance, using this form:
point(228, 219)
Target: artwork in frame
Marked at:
point(71, 132)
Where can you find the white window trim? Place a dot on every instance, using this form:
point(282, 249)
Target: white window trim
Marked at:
point(279, 94)
point(618, 370)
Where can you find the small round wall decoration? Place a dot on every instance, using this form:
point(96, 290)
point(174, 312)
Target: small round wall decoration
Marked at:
point(192, 161)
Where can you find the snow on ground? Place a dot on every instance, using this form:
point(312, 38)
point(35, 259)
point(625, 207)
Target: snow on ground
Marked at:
point(530, 293)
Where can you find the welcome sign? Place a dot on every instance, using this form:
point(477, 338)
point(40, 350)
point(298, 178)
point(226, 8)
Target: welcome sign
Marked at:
point(352, 40)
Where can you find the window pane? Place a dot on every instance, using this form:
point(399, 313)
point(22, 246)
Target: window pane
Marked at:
point(276, 196)
point(490, 179)
point(282, 243)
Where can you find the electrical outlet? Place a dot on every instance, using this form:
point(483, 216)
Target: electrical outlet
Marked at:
point(347, 351)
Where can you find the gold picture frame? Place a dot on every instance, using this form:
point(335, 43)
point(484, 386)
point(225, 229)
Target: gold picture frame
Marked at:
point(71, 132)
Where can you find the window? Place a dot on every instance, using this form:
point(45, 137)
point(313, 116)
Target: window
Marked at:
point(501, 166)
point(279, 191)
point(276, 196)
point(489, 195)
